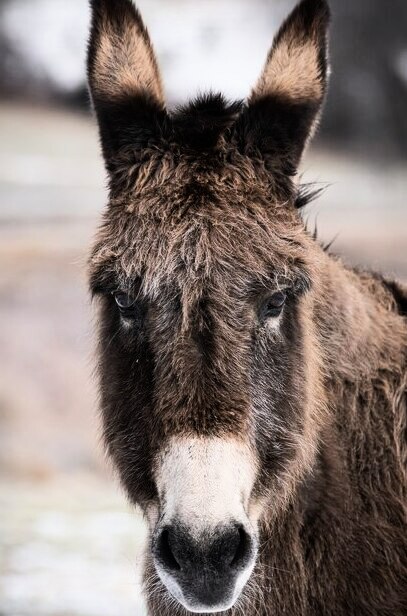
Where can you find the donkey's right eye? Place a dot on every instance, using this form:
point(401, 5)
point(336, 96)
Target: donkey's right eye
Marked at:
point(123, 300)
point(128, 305)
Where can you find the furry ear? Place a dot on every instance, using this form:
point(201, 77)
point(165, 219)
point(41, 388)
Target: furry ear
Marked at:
point(124, 80)
point(285, 105)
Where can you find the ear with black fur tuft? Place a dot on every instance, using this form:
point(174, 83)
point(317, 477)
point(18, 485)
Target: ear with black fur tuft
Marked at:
point(285, 105)
point(124, 79)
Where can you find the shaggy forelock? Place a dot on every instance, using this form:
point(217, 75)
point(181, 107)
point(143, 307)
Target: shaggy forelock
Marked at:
point(185, 220)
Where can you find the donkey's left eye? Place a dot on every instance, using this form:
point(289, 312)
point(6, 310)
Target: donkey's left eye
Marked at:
point(273, 305)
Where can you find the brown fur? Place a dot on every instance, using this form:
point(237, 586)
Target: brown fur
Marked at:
point(295, 67)
point(124, 63)
point(200, 228)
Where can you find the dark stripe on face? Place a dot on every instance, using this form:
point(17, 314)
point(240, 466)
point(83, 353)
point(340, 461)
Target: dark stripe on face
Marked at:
point(277, 387)
point(126, 387)
point(203, 329)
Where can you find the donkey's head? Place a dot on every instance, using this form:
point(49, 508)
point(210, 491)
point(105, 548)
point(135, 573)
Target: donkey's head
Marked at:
point(209, 368)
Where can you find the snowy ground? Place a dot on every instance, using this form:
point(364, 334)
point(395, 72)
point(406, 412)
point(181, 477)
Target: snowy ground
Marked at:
point(69, 546)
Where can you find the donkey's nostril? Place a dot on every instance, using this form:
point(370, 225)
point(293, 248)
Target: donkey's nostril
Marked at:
point(243, 551)
point(164, 551)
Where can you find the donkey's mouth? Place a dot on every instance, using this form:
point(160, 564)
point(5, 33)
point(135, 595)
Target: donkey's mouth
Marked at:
point(207, 594)
point(210, 598)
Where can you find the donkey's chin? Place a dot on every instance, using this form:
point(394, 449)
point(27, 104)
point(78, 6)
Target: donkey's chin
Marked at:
point(213, 603)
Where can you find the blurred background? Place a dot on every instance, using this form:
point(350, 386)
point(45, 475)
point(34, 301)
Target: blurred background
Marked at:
point(69, 544)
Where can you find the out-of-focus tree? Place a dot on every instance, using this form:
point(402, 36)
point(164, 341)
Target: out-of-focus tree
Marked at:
point(42, 50)
point(368, 95)
point(43, 43)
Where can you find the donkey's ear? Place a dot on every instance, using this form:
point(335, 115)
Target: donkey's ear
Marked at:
point(285, 105)
point(123, 75)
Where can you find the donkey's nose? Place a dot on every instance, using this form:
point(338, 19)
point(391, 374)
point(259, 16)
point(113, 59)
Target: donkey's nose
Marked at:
point(229, 549)
point(202, 571)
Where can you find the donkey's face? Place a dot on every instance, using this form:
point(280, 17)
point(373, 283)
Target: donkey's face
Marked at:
point(206, 277)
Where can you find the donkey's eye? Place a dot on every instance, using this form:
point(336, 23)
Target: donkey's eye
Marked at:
point(123, 300)
point(273, 305)
point(127, 305)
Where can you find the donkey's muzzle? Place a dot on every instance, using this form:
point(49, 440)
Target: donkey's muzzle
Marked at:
point(203, 572)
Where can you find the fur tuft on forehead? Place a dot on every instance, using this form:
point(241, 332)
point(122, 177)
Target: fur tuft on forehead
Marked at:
point(201, 123)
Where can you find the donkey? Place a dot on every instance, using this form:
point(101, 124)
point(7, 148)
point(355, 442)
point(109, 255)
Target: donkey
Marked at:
point(253, 387)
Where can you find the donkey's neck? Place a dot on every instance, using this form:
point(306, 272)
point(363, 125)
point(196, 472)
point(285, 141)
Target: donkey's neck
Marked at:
point(364, 346)
point(360, 332)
